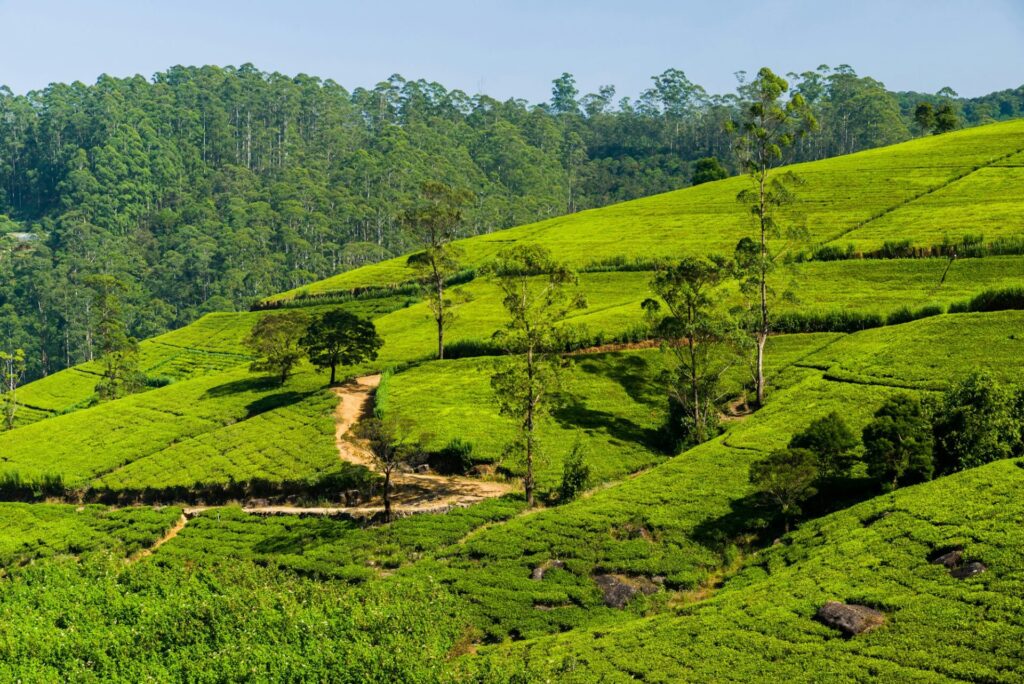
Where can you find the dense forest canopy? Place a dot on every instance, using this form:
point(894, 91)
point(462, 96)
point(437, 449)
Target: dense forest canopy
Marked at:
point(204, 188)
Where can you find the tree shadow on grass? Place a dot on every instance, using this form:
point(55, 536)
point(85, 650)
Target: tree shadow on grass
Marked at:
point(311, 533)
point(632, 371)
point(268, 402)
point(253, 384)
point(576, 415)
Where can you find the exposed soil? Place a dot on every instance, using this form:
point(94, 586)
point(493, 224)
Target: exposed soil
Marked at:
point(168, 536)
point(412, 492)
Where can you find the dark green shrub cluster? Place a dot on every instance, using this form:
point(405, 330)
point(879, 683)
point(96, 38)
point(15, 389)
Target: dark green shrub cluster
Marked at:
point(575, 474)
point(830, 321)
point(1006, 299)
point(456, 458)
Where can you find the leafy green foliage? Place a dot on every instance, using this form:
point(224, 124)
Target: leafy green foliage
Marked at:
point(898, 443)
point(339, 338)
point(785, 479)
point(832, 442)
point(275, 340)
point(978, 420)
point(575, 474)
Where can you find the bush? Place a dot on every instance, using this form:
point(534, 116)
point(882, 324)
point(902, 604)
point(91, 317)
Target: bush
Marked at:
point(1008, 299)
point(575, 474)
point(833, 253)
point(455, 458)
point(831, 321)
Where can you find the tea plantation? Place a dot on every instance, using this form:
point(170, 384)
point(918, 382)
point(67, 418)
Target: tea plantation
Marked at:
point(212, 527)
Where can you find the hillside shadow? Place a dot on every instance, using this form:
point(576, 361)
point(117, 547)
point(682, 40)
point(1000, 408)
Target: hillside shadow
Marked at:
point(631, 371)
point(576, 415)
point(275, 401)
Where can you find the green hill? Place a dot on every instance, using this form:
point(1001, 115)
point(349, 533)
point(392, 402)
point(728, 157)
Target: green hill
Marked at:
point(726, 595)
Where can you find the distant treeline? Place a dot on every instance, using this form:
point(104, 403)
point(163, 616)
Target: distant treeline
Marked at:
point(205, 188)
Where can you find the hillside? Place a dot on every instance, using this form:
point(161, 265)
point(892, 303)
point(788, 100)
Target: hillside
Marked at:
point(215, 521)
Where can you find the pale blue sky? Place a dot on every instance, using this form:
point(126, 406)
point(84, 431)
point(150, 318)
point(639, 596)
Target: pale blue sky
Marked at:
point(515, 48)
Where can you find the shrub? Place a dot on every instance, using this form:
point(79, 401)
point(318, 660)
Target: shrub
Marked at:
point(455, 457)
point(832, 441)
point(833, 253)
point(575, 474)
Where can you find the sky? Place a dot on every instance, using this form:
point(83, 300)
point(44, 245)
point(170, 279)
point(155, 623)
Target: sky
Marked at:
point(515, 48)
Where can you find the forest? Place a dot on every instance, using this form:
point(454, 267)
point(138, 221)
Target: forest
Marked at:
point(204, 189)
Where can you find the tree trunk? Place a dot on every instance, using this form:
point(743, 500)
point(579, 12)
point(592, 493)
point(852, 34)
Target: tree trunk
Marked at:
point(762, 335)
point(528, 480)
point(387, 495)
point(333, 367)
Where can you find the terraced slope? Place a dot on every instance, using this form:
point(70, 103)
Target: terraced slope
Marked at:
point(922, 191)
point(760, 625)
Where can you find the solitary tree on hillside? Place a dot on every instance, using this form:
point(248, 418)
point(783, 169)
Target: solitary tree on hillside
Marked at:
point(692, 333)
point(340, 338)
point(434, 223)
point(537, 291)
point(767, 128)
point(383, 437)
point(898, 443)
point(786, 479)
point(118, 351)
point(12, 372)
point(275, 342)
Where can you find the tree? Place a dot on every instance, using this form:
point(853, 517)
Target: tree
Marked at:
point(898, 443)
point(434, 222)
point(383, 437)
point(118, 351)
point(275, 342)
point(692, 333)
point(12, 372)
point(537, 291)
point(977, 421)
point(832, 442)
point(924, 117)
point(340, 338)
point(946, 119)
point(767, 128)
point(785, 479)
point(706, 170)
point(563, 95)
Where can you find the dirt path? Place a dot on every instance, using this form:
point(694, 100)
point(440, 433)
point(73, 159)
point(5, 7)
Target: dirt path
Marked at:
point(413, 492)
point(168, 536)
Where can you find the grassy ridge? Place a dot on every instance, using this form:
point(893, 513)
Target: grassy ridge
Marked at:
point(841, 196)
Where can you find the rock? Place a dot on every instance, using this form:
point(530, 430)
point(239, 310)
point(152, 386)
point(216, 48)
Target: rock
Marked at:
point(969, 570)
point(352, 497)
point(422, 469)
point(258, 503)
point(619, 590)
point(539, 571)
point(482, 470)
point(850, 619)
point(950, 559)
